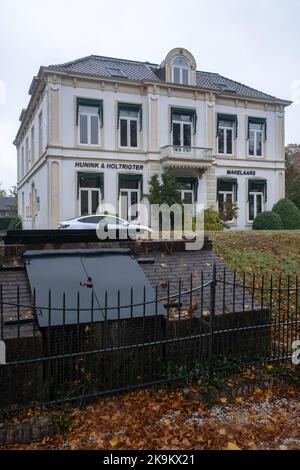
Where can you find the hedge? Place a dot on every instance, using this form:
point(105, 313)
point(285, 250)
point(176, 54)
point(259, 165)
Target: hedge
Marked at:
point(267, 221)
point(289, 214)
point(4, 222)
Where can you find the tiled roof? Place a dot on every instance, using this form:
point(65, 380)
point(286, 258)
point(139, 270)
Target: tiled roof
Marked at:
point(143, 71)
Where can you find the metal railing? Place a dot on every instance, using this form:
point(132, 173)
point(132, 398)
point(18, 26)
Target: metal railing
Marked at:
point(213, 322)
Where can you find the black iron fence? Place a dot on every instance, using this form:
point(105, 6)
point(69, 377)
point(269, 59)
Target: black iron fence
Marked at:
point(211, 323)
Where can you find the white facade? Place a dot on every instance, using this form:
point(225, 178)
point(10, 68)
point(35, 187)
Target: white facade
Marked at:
point(51, 158)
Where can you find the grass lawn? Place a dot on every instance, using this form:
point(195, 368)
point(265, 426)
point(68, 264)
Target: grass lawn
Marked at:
point(260, 252)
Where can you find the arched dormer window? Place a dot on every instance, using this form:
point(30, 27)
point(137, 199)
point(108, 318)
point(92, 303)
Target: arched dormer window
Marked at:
point(181, 70)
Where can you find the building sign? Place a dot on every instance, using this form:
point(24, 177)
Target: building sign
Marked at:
point(241, 172)
point(109, 166)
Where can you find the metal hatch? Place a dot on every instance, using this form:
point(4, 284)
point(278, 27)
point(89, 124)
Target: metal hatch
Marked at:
point(88, 277)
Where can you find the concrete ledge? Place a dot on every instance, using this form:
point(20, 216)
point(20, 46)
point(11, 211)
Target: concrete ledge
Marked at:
point(25, 432)
point(10, 252)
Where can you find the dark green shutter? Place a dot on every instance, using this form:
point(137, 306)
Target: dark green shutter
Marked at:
point(186, 112)
point(130, 107)
point(89, 102)
point(125, 177)
point(98, 176)
point(254, 120)
point(228, 117)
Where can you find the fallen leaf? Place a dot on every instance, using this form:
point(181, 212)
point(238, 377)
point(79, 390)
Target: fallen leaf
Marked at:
point(232, 446)
point(114, 441)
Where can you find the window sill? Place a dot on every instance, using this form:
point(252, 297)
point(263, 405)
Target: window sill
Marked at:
point(89, 147)
point(130, 149)
point(226, 155)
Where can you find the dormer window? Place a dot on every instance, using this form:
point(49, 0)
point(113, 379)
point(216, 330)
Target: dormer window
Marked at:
point(181, 70)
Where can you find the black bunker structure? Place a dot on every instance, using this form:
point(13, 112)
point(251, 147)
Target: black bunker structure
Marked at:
point(92, 306)
point(78, 291)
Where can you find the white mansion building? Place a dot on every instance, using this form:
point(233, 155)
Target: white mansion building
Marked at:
point(98, 128)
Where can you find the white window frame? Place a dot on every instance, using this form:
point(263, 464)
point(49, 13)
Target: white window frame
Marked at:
point(129, 206)
point(89, 190)
point(225, 194)
point(128, 119)
point(180, 68)
point(255, 194)
point(40, 120)
point(22, 162)
point(226, 129)
point(32, 143)
point(183, 148)
point(256, 131)
point(27, 155)
point(89, 135)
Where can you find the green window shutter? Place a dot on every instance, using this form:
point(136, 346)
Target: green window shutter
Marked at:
point(228, 117)
point(89, 102)
point(258, 184)
point(130, 107)
point(128, 177)
point(98, 176)
point(187, 112)
point(254, 120)
point(232, 181)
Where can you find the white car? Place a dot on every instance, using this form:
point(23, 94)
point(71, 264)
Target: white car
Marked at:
point(109, 222)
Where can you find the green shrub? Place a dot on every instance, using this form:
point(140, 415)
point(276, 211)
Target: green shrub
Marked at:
point(267, 221)
point(212, 220)
point(4, 222)
point(289, 214)
point(15, 223)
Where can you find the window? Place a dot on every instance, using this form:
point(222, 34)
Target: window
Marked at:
point(90, 192)
point(22, 163)
point(91, 220)
point(40, 134)
point(128, 128)
point(181, 71)
point(27, 155)
point(257, 133)
point(130, 192)
point(23, 206)
point(225, 137)
point(257, 195)
point(32, 144)
point(89, 126)
point(255, 140)
point(114, 72)
point(226, 191)
point(182, 129)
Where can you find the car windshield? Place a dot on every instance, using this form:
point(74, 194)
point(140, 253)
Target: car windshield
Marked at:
point(92, 219)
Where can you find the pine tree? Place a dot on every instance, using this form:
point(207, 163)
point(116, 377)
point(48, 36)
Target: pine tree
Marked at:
point(154, 196)
point(166, 192)
point(170, 193)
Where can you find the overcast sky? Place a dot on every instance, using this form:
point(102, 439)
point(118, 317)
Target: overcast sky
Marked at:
point(256, 42)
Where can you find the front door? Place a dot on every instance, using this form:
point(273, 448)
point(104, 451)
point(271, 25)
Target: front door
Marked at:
point(89, 200)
